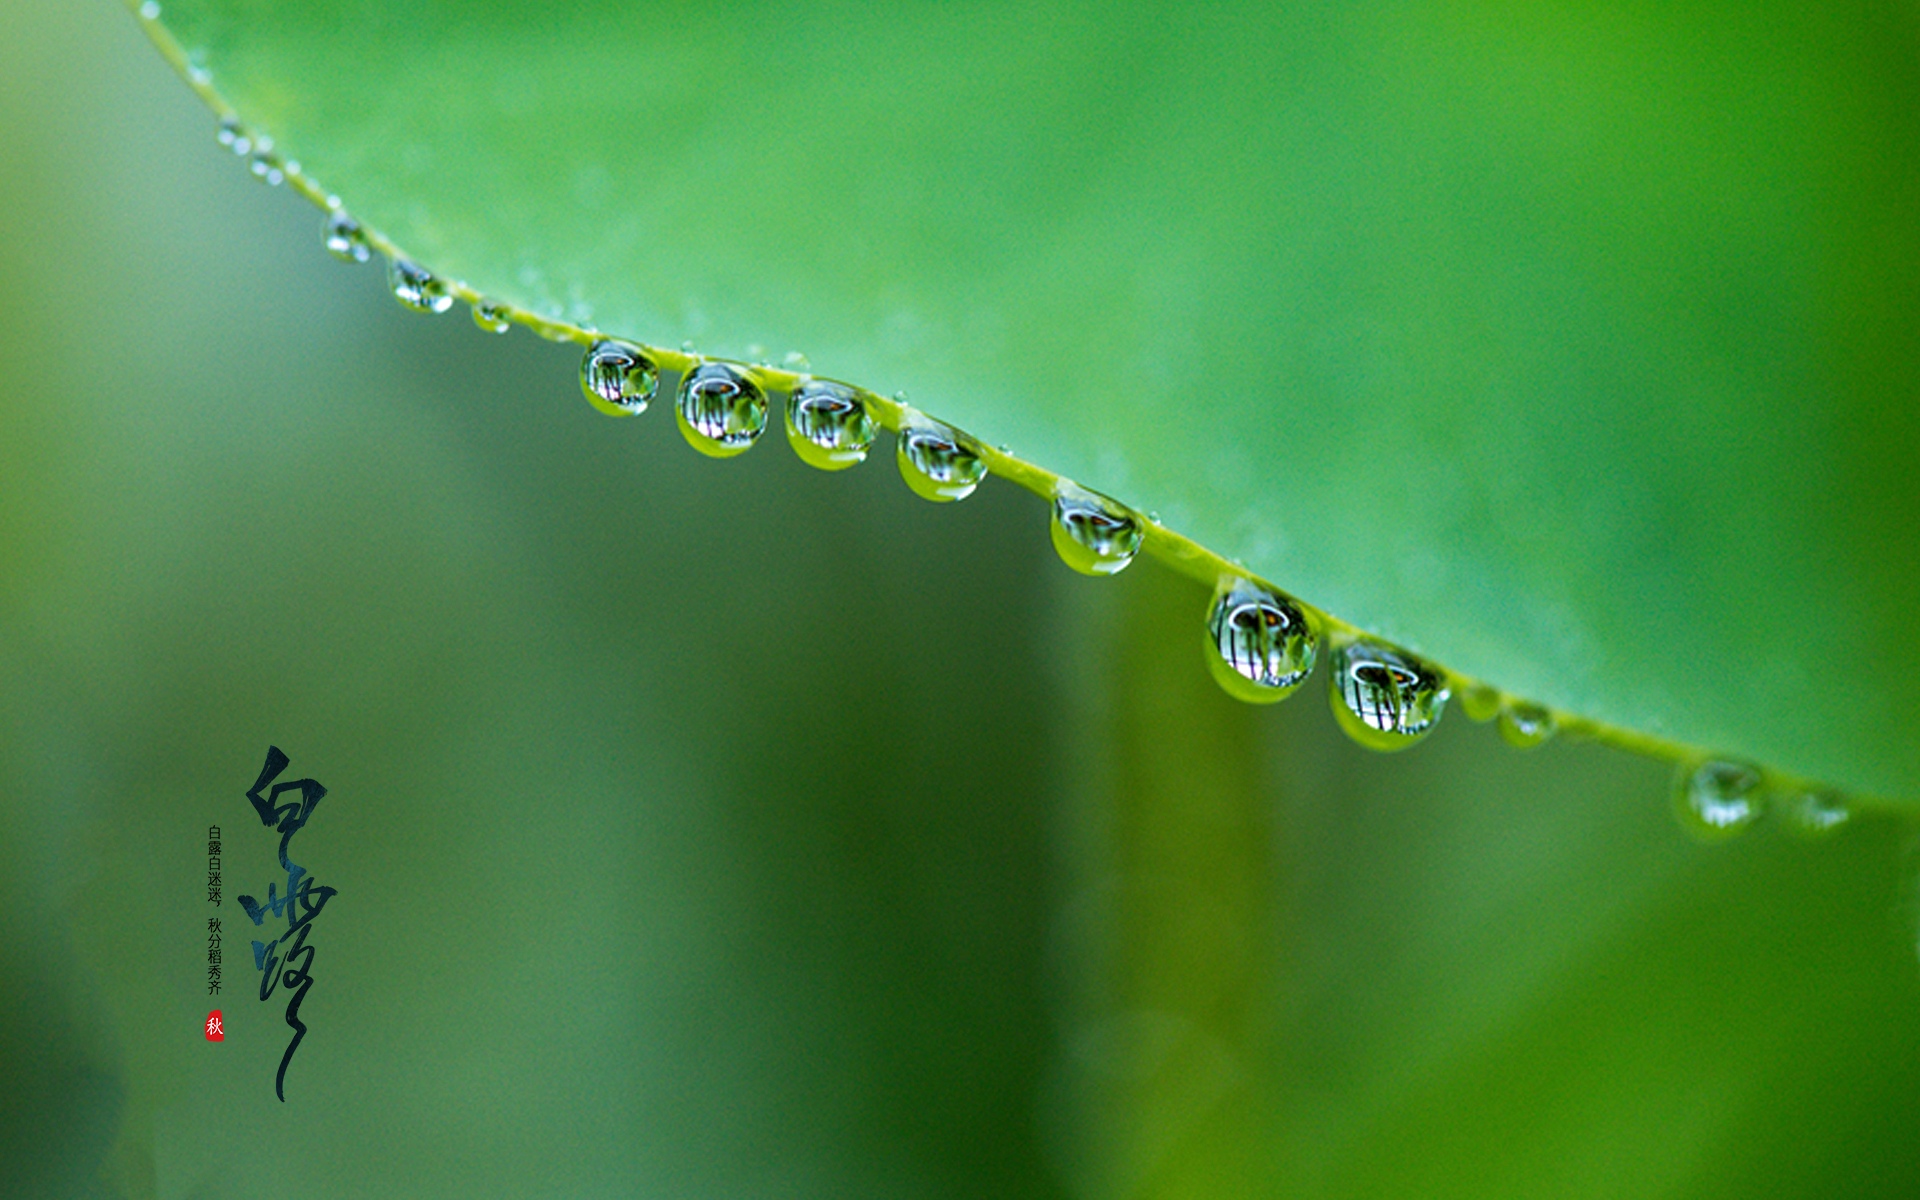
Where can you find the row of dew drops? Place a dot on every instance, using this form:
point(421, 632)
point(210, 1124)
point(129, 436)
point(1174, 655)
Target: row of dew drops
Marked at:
point(1261, 644)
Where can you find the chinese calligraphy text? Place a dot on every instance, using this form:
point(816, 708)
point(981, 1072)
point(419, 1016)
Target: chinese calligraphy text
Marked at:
point(287, 960)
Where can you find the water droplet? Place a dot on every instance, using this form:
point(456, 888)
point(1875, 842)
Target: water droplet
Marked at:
point(936, 460)
point(1717, 799)
point(1386, 699)
point(686, 347)
point(150, 10)
point(618, 378)
point(828, 425)
point(1480, 702)
point(417, 288)
point(1094, 534)
point(1260, 646)
point(721, 410)
point(344, 238)
point(491, 317)
point(796, 361)
point(266, 168)
point(233, 136)
point(555, 333)
point(1814, 814)
point(1524, 724)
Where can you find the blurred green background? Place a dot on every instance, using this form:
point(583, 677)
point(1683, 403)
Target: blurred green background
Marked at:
point(736, 830)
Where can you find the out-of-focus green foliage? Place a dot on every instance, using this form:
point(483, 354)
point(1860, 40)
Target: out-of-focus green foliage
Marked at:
point(736, 830)
point(1575, 347)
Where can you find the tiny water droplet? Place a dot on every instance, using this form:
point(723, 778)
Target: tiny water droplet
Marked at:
point(1815, 814)
point(417, 288)
point(618, 378)
point(1525, 725)
point(1094, 534)
point(936, 460)
point(1480, 702)
point(1153, 515)
point(1386, 699)
point(795, 361)
point(344, 238)
point(266, 168)
point(491, 317)
point(1260, 646)
point(1717, 799)
point(721, 410)
point(199, 75)
point(686, 347)
point(555, 333)
point(828, 426)
point(233, 135)
point(150, 10)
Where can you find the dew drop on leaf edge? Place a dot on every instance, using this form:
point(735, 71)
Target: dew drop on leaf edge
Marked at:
point(1525, 724)
point(936, 461)
point(417, 288)
point(1480, 702)
point(344, 238)
point(828, 425)
point(618, 378)
point(1717, 799)
point(1385, 698)
point(721, 410)
point(491, 317)
point(1093, 534)
point(1260, 646)
point(1814, 814)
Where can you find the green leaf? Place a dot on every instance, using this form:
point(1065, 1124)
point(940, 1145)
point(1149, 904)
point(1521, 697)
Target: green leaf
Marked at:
point(1575, 349)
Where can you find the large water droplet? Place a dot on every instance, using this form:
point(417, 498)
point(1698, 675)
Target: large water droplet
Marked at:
point(417, 288)
point(344, 238)
point(1815, 814)
point(722, 411)
point(828, 425)
point(1386, 699)
point(936, 460)
point(1094, 534)
point(1524, 724)
point(1717, 799)
point(491, 317)
point(618, 377)
point(1260, 646)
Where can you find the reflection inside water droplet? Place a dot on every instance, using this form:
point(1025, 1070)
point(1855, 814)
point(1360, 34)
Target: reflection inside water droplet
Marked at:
point(937, 462)
point(1094, 534)
point(417, 288)
point(344, 238)
point(1717, 799)
point(1524, 724)
point(491, 317)
point(1260, 645)
point(618, 378)
point(721, 410)
point(828, 425)
point(1386, 699)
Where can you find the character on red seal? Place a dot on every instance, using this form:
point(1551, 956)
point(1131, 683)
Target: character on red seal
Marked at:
point(216, 1032)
